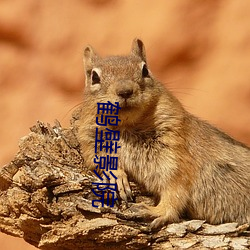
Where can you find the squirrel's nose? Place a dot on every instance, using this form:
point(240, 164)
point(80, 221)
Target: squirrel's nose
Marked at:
point(125, 93)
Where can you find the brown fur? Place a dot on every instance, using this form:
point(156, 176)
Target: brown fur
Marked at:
point(189, 165)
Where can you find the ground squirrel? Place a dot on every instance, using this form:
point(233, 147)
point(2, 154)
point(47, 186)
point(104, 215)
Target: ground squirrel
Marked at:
point(190, 166)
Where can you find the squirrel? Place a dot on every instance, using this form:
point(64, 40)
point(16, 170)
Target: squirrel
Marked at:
point(191, 167)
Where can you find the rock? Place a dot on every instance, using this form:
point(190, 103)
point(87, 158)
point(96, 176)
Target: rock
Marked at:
point(47, 200)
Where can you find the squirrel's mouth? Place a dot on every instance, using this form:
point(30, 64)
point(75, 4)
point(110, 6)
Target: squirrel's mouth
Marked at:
point(127, 104)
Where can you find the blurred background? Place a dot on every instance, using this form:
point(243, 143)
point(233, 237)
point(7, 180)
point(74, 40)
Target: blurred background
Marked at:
point(199, 49)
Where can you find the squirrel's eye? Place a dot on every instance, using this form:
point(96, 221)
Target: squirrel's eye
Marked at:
point(145, 72)
point(95, 78)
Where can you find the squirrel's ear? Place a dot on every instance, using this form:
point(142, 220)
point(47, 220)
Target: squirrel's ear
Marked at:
point(89, 57)
point(138, 49)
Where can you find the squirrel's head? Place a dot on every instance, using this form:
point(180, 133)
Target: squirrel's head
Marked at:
point(123, 79)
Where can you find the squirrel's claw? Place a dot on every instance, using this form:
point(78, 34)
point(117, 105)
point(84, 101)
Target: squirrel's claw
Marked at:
point(123, 186)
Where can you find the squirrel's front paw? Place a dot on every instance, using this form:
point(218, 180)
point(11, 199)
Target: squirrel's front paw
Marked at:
point(123, 185)
point(160, 215)
point(158, 223)
point(142, 211)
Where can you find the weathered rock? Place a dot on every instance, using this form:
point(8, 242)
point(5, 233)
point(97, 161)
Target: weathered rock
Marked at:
point(45, 198)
